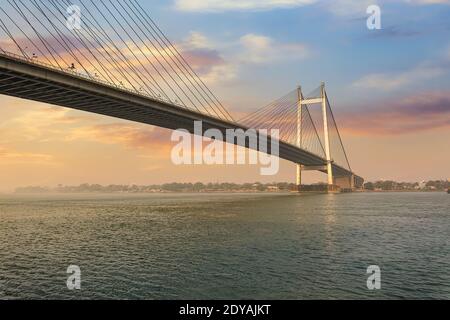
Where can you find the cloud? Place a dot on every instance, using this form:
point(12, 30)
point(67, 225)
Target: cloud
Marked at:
point(392, 81)
point(348, 7)
point(129, 135)
point(422, 72)
point(203, 60)
point(43, 123)
point(224, 66)
point(237, 5)
point(261, 49)
point(394, 32)
point(427, 111)
point(208, 63)
point(337, 7)
point(32, 45)
point(52, 128)
point(8, 156)
point(221, 73)
point(196, 40)
point(428, 2)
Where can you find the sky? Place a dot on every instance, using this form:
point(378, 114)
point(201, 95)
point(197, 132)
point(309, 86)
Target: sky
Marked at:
point(389, 90)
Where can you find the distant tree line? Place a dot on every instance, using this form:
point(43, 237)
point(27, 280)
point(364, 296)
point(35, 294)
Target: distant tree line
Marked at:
point(168, 187)
point(433, 185)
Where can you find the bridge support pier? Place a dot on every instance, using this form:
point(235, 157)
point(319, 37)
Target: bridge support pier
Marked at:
point(299, 176)
point(345, 183)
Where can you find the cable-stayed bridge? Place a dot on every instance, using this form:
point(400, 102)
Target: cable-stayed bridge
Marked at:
point(110, 57)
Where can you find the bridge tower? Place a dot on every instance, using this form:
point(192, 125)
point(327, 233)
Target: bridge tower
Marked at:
point(326, 135)
point(299, 134)
point(328, 168)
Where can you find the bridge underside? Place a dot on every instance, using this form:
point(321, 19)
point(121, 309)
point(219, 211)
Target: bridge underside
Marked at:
point(26, 80)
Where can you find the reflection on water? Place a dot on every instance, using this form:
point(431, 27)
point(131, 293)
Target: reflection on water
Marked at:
point(225, 246)
point(330, 221)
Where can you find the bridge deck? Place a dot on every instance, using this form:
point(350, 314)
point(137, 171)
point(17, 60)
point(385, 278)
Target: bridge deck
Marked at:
point(32, 81)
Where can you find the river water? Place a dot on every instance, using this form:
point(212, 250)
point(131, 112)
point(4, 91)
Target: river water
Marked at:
point(225, 246)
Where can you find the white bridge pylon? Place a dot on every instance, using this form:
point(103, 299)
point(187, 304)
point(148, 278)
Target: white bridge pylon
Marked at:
point(322, 103)
point(307, 123)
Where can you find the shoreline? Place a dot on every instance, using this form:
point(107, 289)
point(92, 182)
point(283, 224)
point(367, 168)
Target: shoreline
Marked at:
point(206, 192)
